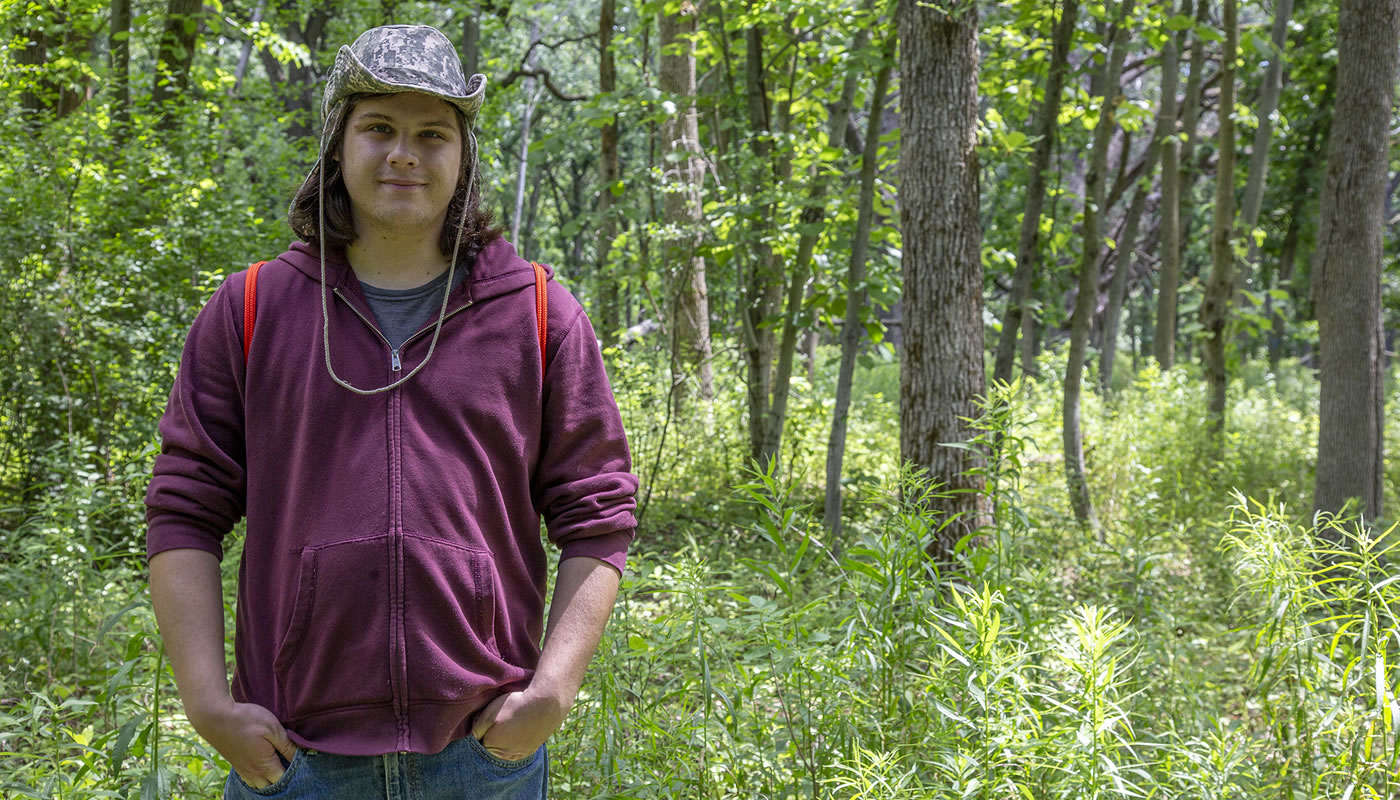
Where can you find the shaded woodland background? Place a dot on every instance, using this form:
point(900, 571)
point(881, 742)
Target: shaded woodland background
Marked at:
point(942, 332)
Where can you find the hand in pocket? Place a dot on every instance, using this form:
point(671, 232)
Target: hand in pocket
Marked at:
point(513, 726)
point(252, 740)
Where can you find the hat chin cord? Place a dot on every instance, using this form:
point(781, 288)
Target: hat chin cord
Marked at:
point(321, 248)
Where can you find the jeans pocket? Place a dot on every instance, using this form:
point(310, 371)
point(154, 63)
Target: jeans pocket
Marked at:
point(496, 761)
point(236, 784)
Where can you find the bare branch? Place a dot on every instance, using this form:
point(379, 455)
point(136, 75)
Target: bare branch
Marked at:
point(553, 45)
point(548, 83)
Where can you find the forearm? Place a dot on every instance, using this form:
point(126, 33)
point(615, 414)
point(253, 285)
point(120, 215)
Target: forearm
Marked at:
point(188, 597)
point(584, 592)
point(187, 594)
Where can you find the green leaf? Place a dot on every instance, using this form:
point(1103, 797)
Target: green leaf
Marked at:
point(156, 784)
point(112, 619)
point(123, 742)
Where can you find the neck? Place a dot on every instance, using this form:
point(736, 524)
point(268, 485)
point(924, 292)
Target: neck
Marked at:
point(390, 262)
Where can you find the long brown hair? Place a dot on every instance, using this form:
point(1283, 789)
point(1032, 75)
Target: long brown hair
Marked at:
point(303, 214)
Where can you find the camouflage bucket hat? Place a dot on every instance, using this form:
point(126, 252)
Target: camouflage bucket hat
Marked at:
point(402, 58)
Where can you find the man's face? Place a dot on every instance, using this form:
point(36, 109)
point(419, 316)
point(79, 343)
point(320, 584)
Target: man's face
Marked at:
point(400, 158)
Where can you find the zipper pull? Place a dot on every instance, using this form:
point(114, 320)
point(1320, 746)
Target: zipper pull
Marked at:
point(394, 362)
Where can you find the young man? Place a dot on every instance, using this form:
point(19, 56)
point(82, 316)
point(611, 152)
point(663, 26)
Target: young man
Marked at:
point(393, 426)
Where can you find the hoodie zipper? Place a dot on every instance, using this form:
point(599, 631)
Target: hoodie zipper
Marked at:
point(395, 362)
point(398, 667)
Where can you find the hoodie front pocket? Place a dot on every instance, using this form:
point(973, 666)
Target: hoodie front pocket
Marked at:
point(336, 650)
point(449, 621)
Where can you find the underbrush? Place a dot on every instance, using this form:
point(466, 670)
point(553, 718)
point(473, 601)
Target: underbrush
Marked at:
point(1201, 645)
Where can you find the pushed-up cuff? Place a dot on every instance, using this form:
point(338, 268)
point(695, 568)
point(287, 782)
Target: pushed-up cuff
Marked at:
point(176, 534)
point(609, 547)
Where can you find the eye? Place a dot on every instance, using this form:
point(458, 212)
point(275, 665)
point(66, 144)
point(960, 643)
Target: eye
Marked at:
point(433, 134)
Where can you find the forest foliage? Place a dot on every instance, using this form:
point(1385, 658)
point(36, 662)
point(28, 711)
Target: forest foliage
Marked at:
point(1207, 636)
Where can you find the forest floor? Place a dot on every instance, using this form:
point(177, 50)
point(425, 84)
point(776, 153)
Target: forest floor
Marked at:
point(1198, 644)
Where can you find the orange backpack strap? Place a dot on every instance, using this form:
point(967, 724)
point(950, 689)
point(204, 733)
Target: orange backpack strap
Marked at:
point(250, 306)
point(541, 310)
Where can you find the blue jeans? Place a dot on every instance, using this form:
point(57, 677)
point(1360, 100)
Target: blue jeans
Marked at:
point(463, 771)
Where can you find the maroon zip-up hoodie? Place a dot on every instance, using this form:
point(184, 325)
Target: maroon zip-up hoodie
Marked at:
point(393, 577)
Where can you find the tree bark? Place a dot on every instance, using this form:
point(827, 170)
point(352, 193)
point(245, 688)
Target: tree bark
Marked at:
point(1030, 344)
point(176, 53)
point(120, 63)
point(1083, 316)
point(531, 96)
point(37, 93)
point(1028, 251)
point(811, 219)
point(1127, 245)
point(942, 372)
point(1346, 268)
point(1125, 254)
point(471, 36)
point(761, 291)
point(1186, 136)
point(1164, 339)
point(684, 173)
point(1263, 135)
point(1215, 306)
point(298, 83)
point(245, 53)
point(1191, 115)
point(609, 169)
point(855, 295)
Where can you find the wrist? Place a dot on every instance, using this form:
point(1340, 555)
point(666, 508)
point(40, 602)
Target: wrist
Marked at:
point(551, 695)
point(203, 709)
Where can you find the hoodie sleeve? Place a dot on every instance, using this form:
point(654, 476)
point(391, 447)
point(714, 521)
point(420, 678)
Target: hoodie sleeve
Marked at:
point(584, 486)
point(197, 492)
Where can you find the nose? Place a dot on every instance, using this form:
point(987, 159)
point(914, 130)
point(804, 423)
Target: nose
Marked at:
point(402, 155)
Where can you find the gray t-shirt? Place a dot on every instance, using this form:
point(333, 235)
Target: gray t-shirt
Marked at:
point(401, 312)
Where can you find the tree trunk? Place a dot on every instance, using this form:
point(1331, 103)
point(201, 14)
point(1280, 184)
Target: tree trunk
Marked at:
point(761, 290)
point(811, 219)
point(1346, 268)
point(855, 295)
point(531, 95)
point(299, 84)
point(471, 36)
point(684, 172)
point(1127, 244)
point(942, 372)
point(176, 53)
point(1124, 255)
point(1259, 154)
point(1030, 344)
point(610, 319)
point(37, 94)
point(1191, 115)
point(1186, 136)
point(245, 53)
point(120, 63)
point(1083, 316)
point(1215, 307)
point(1028, 251)
point(1164, 337)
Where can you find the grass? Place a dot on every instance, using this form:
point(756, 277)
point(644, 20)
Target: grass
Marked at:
point(1204, 646)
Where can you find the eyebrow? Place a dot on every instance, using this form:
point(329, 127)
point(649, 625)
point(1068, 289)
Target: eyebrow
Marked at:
point(432, 123)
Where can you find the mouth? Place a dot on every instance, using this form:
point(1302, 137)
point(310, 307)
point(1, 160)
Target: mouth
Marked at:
point(402, 184)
